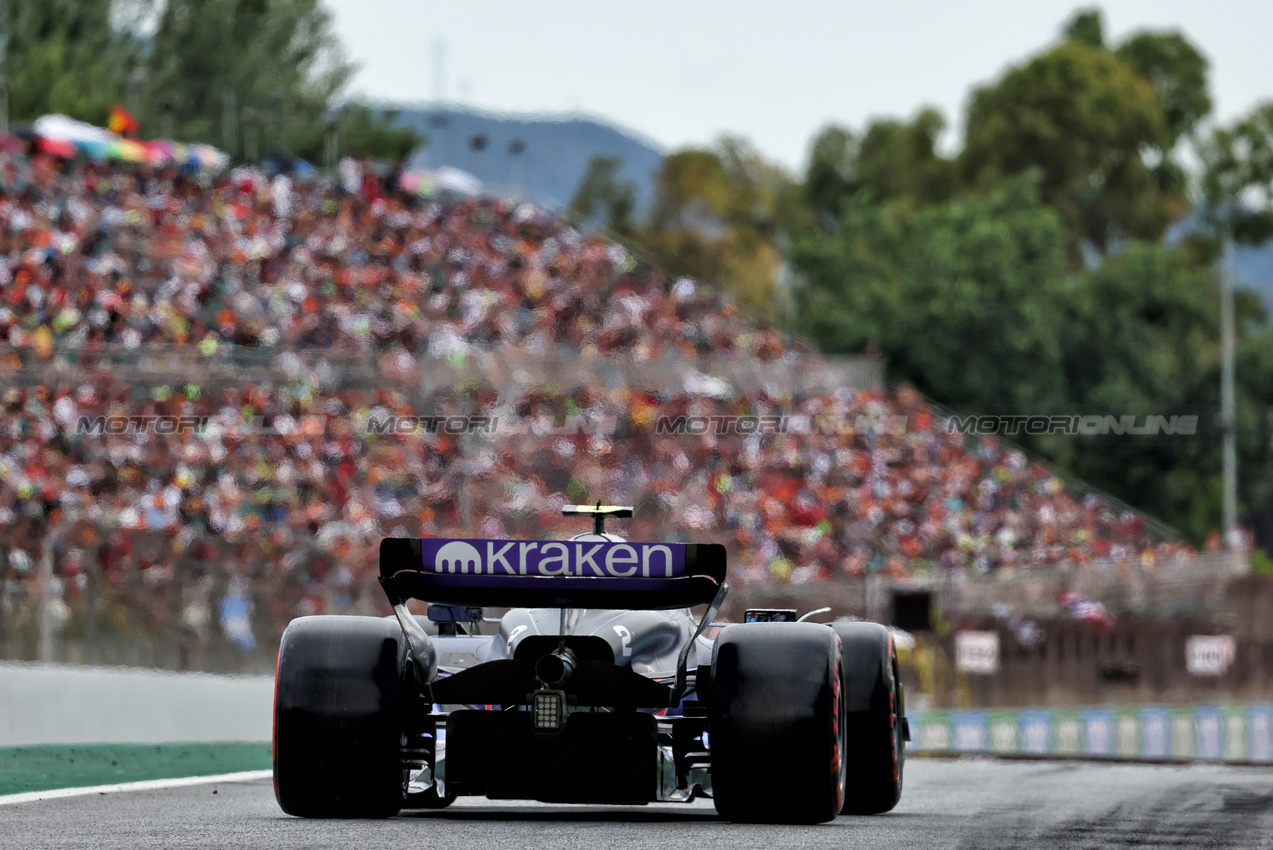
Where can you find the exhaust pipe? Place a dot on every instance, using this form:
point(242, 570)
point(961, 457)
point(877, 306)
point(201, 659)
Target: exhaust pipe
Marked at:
point(556, 668)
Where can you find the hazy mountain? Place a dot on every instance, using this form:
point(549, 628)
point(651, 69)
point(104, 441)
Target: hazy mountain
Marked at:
point(556, 153)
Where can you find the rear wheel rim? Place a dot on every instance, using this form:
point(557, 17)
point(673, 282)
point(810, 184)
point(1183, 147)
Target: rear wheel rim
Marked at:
point(839, 731)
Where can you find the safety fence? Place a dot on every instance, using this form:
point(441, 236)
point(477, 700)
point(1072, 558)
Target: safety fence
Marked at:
point(1193, 585)
point(1217, 733)
point(98, 593)
point(191, 601)
point(1182, 632)
point(564, 366)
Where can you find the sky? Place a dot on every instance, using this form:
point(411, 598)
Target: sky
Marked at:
point(683, 73)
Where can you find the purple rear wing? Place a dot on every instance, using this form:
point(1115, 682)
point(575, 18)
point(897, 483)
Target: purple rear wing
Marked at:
point(551, 573)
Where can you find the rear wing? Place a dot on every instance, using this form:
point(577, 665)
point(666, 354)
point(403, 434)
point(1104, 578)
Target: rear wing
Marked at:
point(551, 574)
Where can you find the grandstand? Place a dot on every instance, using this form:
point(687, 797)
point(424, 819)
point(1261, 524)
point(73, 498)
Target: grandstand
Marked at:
point(282, 318)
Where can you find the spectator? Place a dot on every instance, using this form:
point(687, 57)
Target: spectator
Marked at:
point(274, 506)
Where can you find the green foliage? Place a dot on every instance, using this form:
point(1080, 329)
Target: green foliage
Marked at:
point(899, 161)
point(722, 215)
point(1178, 72)
point(1173, 66)
point(1261, 565)
point(1087, 26)
point(690, 192)
point(963, 299)
point(894, 162)
point(831, 176)
point(250, 75)
point(363, 129)
point(275, 63)
point(1237, 179)
point(65, 56)
point(1084, 120)
point(971, 302)
point(763, 201)
point(1147, 322)
point(602, 197)
point(1142, 340)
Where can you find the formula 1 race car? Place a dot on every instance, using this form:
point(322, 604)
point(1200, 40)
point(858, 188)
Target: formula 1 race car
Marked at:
point(598, 686)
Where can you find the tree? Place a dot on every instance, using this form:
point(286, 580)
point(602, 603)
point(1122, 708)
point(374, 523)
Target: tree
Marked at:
point(1094, 130)
point(898, 161)
point(970, 302)
point(831, 176)
point(374, 132)
point(1237, 184)
point(603, 198)
point(690, 191)
point(724, 215)
point(1088, 27)
point(895, 162)
point(276, 59)
point(66, 56)
point(1178, 72)
point(763, 200)
point(269, 69)
point(980, 288)
point(1237, 178)
point(1144, 340)
point(963, 299)
point(686, 223)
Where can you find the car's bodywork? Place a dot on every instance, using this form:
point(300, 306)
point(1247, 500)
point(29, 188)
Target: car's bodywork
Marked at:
point(596, 685)
point(610, 635)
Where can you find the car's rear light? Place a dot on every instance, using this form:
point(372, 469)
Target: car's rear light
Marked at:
point(548, 709)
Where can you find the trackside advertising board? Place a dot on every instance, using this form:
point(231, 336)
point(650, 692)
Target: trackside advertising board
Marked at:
point(1242, 732)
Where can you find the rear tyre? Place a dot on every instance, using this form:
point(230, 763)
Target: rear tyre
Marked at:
point(873, 720)
point(338, 698)
point(776, 732)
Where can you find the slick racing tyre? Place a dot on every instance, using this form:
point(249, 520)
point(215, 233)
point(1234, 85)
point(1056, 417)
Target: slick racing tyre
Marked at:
point(338, 697)
point(776, 731)
point(873, 719)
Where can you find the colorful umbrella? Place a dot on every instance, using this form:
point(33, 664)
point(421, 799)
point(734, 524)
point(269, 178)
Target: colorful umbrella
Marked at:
point(131, 151)
point(208, 156)
point(96, 149)
point(58, 147)
point(158, 152)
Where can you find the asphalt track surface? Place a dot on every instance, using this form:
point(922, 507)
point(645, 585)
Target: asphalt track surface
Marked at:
point(947, 803)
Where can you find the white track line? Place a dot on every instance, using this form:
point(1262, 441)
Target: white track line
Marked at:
point(146, 785)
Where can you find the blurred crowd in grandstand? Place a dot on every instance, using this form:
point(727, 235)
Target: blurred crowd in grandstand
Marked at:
point(98, 254)
point(236, 526)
